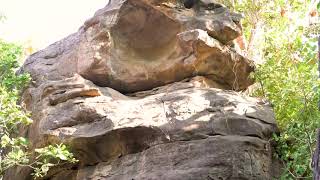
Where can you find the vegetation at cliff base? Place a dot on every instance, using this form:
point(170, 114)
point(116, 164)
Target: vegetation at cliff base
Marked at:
point(282, 39)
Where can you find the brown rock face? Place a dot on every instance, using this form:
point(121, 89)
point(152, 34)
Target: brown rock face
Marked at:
point(180, 120)
point(138, 45)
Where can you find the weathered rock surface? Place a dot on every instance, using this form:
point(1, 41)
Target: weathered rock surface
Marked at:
point(134, 45)
point(143, 91)
point(179, 131)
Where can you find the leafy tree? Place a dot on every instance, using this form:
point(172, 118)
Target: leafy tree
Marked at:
point(288, 77)
point(14, 149)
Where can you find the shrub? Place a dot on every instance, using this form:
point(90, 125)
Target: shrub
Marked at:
point(14, 149)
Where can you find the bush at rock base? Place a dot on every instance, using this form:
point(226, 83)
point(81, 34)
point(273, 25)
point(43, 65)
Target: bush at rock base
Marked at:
point(278, 33)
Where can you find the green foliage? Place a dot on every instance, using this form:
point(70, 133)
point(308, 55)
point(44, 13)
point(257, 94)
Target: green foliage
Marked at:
point(9, 54)
point(289, 80)
point(14, 150)
point(288, 77)
point(48, 155)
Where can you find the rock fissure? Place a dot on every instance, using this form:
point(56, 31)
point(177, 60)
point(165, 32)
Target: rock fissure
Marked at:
point(260, 120)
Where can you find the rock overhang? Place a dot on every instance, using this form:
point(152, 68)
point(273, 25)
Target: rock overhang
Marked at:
point(146, 89)
point(136, 45)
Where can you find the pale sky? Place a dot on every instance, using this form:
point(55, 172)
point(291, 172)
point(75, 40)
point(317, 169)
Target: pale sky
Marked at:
point(44, 22)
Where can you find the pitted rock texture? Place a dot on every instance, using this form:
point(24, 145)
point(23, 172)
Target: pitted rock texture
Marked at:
point(134, 45)
point(146, 89)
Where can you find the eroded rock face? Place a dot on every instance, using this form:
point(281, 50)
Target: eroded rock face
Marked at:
point(134, 45)
point(143, 91)
point(179, 131)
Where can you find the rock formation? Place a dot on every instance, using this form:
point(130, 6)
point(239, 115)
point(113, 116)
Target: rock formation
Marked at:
point(147, 89)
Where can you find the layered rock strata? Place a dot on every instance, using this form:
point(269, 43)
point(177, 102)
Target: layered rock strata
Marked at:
point(147, 89)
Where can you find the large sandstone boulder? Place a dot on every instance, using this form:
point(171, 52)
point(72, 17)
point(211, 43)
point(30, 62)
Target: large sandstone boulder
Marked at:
point(144, 91)
point(133, 45)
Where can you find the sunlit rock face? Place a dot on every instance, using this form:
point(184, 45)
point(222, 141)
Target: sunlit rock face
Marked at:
point(138, 45)
point(146, 89)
